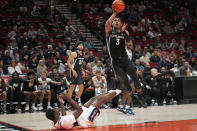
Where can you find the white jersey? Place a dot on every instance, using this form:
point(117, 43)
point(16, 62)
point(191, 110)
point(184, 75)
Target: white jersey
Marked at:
point(85, 120)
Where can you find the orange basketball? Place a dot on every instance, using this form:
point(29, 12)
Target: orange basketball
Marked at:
point(118, 6)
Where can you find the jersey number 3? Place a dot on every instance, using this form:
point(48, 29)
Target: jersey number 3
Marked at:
point(117, 41)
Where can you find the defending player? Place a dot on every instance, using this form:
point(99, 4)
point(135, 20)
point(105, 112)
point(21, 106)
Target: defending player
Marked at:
point(74, 62)
point(84, 116)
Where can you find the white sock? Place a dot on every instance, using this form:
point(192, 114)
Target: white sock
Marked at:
point(48, 104)
point(55, 104)
point(121, 106)
point(40, 104)
point(110, 91)
point(4, 105)
point(33, 104)
point(118, 92)
point(127, 107)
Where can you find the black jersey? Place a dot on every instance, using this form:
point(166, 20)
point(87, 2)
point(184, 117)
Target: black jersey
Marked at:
point(77, 62)
point(28, 86)
point(116, 44)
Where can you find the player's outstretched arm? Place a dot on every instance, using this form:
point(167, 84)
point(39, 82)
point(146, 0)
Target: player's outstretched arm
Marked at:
point(59, 97)
point(74, 104)
point(108, 23)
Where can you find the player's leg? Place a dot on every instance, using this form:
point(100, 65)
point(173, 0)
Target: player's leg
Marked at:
point(107, 97)
point(34, 94)
point(27, 98)
point(48, 92)
point(4, 95)
point(87, 104)
point(131, 71)
point(41, 95)
point(80, 82)
point(71, 89)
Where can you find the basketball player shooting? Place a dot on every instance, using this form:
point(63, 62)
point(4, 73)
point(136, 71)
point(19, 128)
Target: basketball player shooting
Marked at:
point(116, 35)
point(84, 116)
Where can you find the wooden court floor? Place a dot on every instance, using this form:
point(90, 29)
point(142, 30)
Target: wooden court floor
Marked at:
point(155, 118)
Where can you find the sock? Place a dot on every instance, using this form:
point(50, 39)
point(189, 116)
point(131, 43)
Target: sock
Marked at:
point(48, 104)
point(55, 104)
point(33, 104)
point(118, 92)
point(40, 104)
point(110, 91)
point(4, 105)
point(121, 106)
point(127, 107)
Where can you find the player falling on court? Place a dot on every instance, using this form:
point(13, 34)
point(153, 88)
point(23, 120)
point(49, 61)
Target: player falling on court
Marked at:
point(74, 62)
point(84, 116)
point(116, 36)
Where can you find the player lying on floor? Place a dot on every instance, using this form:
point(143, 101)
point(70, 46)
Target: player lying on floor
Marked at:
point(84, 116)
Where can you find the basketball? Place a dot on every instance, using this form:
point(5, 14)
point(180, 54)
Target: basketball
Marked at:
point(118, 6)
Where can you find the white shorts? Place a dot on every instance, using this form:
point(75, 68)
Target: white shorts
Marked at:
point(88, 116)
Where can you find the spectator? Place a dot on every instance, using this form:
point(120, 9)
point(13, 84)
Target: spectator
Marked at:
point(138, 65)
point(60, 67)
point(144, 59)
point(99, 67)
point(155, 56)
point(70, 50)
point(14, 44)
point(137, 53)
point(30, 88)
point(32, 34)
point(7, 59)
point(163, 62)
point(89, 69)
point(105, 53)
point(25, 54)
point(186, 69)
point(192, 62)
point(100, 85)
point(88, 44)
point(44, 88)
point(15, 93)
point(33, 63)
point(36, 11)
point(55, 89)
point(42, 32)
point(50, 52)
point(3, 94)
point(167, 28)
point(41, 67)
point(13, 33)
point(91, 57)
point(13, 68)
point(107, 9)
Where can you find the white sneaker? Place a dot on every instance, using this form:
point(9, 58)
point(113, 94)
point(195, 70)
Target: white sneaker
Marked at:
point(27, 108)
point(48, 107)
point(34, 108)
point(40, 108)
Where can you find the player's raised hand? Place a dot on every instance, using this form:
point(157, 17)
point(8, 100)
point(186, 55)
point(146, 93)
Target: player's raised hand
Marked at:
point(124, 27)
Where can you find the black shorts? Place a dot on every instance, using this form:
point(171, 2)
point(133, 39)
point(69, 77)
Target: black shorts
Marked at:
point(122, 67)
point(76, 80)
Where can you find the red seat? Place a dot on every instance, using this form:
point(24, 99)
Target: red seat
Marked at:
point(153, 64)
point(24, 71)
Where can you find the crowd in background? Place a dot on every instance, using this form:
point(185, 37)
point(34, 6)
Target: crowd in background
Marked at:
point(39, 40)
